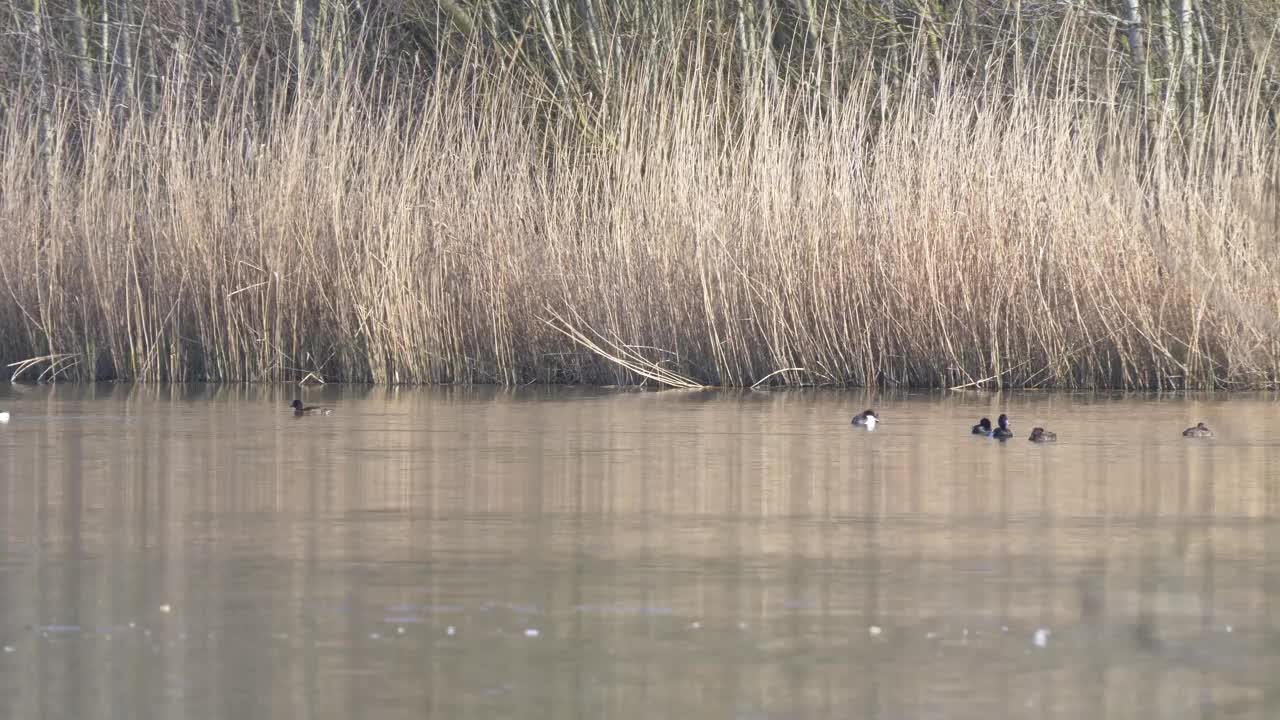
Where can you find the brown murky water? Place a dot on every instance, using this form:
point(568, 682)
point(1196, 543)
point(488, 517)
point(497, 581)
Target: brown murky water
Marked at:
point(192, 551)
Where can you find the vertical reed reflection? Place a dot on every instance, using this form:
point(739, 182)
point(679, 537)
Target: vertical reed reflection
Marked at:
point(200, 552)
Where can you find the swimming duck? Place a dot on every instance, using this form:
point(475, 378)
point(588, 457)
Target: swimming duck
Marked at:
point(868, 418)
point(299, 409)
point(1041, 435)
point(983, 427)
point(1200, 430)
point(1003, 432)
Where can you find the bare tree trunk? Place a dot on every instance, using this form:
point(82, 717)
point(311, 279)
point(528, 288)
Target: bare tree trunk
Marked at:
point(1191, 67)
point(748, 39)
point(1233, 29)
point(1017, 38)
point(549, 38)
point(1170, 105)
point(42, 82)
point(190, 27)
point(1166, 29)
point(334, 32)
point(969, 11)
point(300, 37)
point(304, 25)
point(80, 29)
point(104, 54)
point(593, 41)
point(1133, 20)
point(805, 10)
point(766, 31)
point(151, 70)
point(121, 92)
point(117, 58)
point(1137, 46)
point(235, 36)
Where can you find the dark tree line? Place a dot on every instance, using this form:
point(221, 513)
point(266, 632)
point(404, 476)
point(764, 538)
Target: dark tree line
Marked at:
point(127, 54)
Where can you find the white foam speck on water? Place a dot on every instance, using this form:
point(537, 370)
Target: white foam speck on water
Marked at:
point(1230, 629)
point(133, 624)
point(375, 636)
point(400, 630)
point(166, 608)
point(531, 632)
point(695, 625)
point(1041, 638)
point(450, 631)
point(9, 648)
point(742, 626)
point(874, 630)
point(1004, 628)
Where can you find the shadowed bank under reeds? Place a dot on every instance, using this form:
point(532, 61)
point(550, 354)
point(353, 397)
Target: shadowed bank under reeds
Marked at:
point(941, 234)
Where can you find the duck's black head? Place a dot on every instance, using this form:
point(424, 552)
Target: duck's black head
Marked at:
point(1003, 420)
point(985, 423)
point(296, 405)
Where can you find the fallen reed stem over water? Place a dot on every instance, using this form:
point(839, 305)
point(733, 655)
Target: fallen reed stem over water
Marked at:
point(943, 234)
point(623, 356)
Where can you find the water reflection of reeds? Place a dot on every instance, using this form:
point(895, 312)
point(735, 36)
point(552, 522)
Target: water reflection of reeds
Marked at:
point(668, 557)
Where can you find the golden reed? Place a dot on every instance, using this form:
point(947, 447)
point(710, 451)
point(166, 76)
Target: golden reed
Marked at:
point(939, 234)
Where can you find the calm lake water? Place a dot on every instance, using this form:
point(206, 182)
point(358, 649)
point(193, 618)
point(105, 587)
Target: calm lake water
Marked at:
point(193, 551)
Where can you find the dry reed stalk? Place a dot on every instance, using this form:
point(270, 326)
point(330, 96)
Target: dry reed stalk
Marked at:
point(929, 234)
point(620, 355)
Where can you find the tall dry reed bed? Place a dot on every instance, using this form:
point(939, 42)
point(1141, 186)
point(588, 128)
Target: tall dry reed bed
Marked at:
point(941, 235)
